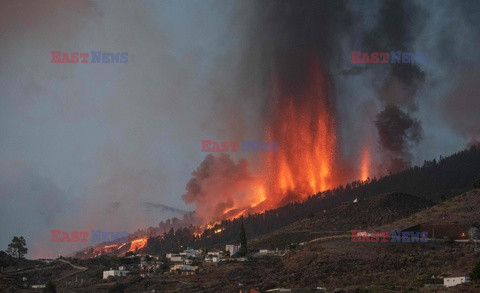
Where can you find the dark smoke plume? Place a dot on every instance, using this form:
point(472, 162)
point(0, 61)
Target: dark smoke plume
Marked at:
point(399, 22)
point(397, 130)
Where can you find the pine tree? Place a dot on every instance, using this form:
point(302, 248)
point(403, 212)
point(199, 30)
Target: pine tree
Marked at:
point(243, 242)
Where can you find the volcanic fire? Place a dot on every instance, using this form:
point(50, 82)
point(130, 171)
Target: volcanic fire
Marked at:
point(303, 123)
point(301, 119)
point(365, 164)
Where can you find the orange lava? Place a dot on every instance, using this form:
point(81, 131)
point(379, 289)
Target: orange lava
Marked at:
point(303, 124)
point(365, 164)
point(137, 244)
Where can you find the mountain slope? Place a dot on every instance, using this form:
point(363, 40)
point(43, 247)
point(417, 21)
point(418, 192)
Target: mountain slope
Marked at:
point(371, 212)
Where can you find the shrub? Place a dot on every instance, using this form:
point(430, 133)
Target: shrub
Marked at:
point(475, 274)
point(50, 287)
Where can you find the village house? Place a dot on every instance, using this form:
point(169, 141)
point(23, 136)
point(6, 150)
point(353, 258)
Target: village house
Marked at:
point(232, 249)
point(454, 281)
point(190, 252)
point(121, 272)
point(184, 270)
point(213, 256)
point(175, 257)
point(46, 260)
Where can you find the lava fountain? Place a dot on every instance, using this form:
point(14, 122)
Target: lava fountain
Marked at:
point(302, 121)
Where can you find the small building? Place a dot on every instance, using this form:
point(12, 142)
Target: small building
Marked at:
point(242, 259)
point(212, 258)
point(190, 252)
point(184, 270)
point(232, 248)
point(454, 281)
point(121, 272)
point(176, 257)
point(46, 260)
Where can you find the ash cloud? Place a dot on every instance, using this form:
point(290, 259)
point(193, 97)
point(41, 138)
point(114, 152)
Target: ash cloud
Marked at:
point(285, 36)
point(397, 86)
point(218, 185)
point(397, 130)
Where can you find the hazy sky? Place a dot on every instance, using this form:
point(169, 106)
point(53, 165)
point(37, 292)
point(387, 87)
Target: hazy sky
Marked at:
point(84, 146)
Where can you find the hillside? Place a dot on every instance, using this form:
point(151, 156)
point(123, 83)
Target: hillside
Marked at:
point(338, 262)
point(364, 214)
point(463, 209)
point(331, 262)
point(433, 181)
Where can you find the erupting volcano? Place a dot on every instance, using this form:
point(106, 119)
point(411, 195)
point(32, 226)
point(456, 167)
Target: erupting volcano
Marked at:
point(301, 119)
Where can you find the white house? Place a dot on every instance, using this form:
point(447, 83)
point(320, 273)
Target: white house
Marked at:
point(233, 249)
point(183, 269)
point(179, 258)
point(176, 257)
point(190, 252)
point(454, 281)
point(212, 258)
point(121, 272)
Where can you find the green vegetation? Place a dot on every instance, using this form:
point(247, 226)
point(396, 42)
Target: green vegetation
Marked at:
point(17, 248)
point(243, 242)
point(475, 274)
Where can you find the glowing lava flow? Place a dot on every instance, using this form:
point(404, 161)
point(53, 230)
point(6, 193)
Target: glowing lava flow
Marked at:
point(137, 244)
